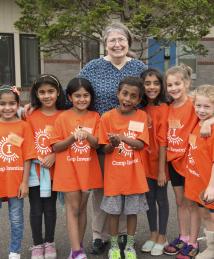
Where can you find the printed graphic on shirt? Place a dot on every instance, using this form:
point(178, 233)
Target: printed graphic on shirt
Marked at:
point(42, 142)
point(172, 137)
point(191, 161)
point(81, 146)
point(125, 149)
point(6, 151)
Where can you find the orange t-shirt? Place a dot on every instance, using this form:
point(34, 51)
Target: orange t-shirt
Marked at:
point(12, 157)
point(199, 164)
point(124, 171)
point(157, 124)
point(76, 168)
point(181, 121)
point(42, 126)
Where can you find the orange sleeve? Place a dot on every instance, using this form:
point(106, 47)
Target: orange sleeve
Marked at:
point(103, 130)
point(28, 148)
point(57, 134)
point(212, 141)
point(163, 127)
point(144, 136)
point(97, 124)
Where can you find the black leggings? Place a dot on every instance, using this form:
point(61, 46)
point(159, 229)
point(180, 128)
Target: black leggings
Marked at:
point(157, 196)
point(38, 207)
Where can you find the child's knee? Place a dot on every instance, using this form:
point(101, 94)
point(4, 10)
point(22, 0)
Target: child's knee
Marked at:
point(179, 202)
point(75, 210)
point(192, 206)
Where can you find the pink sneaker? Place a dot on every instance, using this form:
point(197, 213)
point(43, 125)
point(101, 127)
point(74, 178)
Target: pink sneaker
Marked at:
point(37, 252)
point(50, 251)
point(82, 255)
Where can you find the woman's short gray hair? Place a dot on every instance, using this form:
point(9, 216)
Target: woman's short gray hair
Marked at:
point(121, 28)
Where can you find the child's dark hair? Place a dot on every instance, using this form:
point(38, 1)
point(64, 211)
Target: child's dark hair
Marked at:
point(132, 81)
point(161, 98)
point(10, 89)
point(50, 80)
point(78, 82)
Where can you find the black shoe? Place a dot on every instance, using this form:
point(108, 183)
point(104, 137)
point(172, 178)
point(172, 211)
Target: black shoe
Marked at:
point(98, 246)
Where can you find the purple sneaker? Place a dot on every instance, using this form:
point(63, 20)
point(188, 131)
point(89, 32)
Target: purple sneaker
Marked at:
point(81, 255)
point(37, 252)
point(50, 251)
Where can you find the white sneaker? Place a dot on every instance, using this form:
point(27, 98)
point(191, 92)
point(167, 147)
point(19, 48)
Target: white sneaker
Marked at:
point(158, 249)
point(14, 256)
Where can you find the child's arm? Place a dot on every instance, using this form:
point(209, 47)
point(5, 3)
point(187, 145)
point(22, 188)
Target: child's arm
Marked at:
point(134, 143)
point(162, 166)
point(64, 144)
point(49, 160)
point(114, 142)
point(209, 192)
point(23, 188)
point(93, 141)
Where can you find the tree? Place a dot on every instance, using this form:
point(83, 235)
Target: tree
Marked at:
point(65, 25)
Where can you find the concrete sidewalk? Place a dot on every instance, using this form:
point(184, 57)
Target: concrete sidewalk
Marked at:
point(61, 238)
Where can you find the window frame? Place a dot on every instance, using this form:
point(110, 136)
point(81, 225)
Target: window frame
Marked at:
point(21, 35)
point(12, 54)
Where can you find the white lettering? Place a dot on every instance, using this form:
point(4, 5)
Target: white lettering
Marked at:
point(124, 163)
point(9, 148)
point(78, 159)
point(69, 158)
point(193, 172)
point(43, 141)
point(179, 150)
point(85, 159)
point(11, 168)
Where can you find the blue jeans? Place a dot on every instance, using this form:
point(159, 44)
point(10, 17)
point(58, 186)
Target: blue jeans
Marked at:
point(16, 218)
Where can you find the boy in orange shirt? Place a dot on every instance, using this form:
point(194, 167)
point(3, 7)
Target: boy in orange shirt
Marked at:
point(199, 183)
point(124, 133)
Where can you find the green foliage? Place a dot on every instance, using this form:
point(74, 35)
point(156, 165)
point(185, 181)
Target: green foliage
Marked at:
point(64, 25)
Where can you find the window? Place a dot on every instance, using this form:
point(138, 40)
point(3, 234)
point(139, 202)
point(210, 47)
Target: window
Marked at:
point(30, 59)
point(7, 68)
point(188, 59)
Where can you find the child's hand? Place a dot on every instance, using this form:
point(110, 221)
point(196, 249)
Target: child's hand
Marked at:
point(206, 128)
point(23, 190)
point(28, 109)
point(80, 134)
point(114, 139)
point(209, 194)
point(49, 160)
point(162, 179)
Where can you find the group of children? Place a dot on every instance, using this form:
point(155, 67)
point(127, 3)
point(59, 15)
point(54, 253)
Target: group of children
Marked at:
point(155, 125)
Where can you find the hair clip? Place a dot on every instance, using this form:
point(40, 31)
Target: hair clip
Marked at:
point(52, 78)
